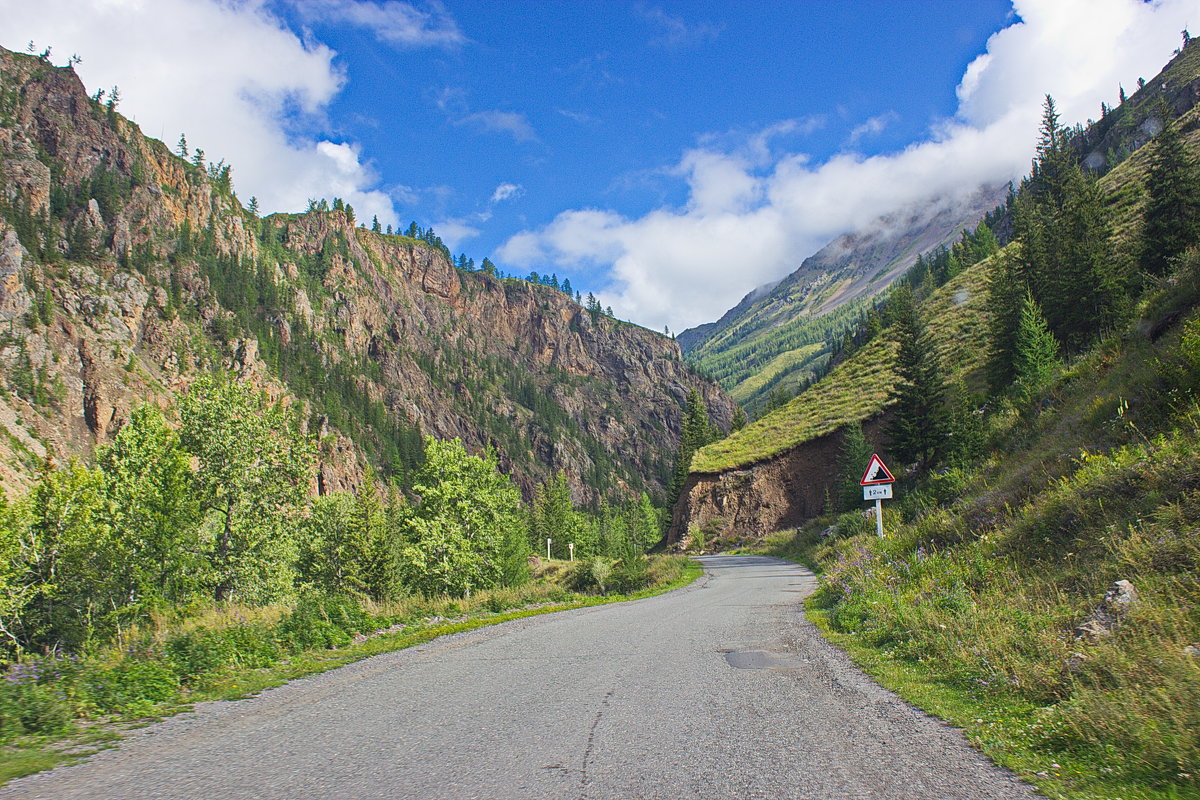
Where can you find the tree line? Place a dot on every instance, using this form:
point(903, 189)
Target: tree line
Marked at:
point(1064, 283)
point(209, 502)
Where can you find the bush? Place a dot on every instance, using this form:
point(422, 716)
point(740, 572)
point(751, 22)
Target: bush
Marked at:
point(129, 684)
point(590, 576)
point(203, 652)
point(31, 702)
point(321, 623)
point(630, 575)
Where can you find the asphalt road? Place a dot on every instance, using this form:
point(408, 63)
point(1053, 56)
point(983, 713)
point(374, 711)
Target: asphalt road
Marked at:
point(720, 690)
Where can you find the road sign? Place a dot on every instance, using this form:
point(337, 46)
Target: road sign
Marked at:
point(882, 491)
point(877, 485)
point(876, 473)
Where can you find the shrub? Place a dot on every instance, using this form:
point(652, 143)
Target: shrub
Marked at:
point(321, 623)
point(129, 684)
point(31, 702)
point(630, 575)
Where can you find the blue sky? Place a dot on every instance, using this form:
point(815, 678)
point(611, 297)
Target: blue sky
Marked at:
point(669, 156)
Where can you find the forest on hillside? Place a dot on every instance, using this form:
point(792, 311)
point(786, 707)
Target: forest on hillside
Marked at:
point(1037, 583)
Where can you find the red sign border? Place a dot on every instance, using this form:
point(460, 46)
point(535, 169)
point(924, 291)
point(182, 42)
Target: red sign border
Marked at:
point(889, 479)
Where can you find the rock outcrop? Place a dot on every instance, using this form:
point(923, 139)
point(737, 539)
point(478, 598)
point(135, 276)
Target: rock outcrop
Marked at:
point(127, 270)
point(749, 502)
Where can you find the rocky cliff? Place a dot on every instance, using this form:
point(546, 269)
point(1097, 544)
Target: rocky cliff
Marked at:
point(127, 270)
point(747, 503)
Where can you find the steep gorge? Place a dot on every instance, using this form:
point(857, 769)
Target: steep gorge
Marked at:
point(126, 271)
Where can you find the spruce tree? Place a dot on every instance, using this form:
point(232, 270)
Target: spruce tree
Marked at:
point(1036, 353)
point(697, 432)
point(1007, 290)
point(1088, 290)
point(1172, 221)
point(853, 456)
point(919, 428)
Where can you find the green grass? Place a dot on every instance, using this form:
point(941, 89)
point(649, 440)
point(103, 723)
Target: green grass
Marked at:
point(32, 753)
point(16, 762)
point(785, 361)
point(967, 608)
point(858, 388)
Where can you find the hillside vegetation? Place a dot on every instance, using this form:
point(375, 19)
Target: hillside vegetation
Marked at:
point(781, 338)
point(1039, 580)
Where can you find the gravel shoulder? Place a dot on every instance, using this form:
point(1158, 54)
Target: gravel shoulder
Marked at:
point(719, 690)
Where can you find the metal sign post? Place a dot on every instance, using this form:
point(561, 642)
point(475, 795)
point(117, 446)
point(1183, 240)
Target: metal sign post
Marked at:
point(571, 547)
point(877, 485)
point(548, 548)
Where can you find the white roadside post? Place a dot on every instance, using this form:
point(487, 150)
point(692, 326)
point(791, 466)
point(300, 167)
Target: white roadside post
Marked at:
point(877, 485)
point(571, 547)
point(548, 548)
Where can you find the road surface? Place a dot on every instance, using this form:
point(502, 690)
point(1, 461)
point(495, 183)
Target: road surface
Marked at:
point(721, 690)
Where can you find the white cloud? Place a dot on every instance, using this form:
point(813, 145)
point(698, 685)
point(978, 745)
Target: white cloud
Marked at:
point(228, 74)
point(753, 215)
point(506, 191)
point(509, 122)
point(392, 21)
point(454, 232)
point(874, 126)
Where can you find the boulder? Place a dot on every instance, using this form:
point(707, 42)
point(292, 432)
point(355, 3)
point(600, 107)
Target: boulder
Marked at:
point(1105, 618)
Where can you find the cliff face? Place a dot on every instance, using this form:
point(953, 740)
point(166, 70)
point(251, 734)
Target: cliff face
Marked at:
point(126, 271)
point(749, 502)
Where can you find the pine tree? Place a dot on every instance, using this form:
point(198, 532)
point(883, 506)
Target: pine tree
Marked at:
point(1007, 291)
point(552, 515)
point(1088, 291)
point(1172, 221)
point(697, 432)
point(919, 428)
point(853, 456)
point(1036, 353)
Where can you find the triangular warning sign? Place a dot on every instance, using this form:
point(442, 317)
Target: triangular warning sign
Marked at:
point(876, 472)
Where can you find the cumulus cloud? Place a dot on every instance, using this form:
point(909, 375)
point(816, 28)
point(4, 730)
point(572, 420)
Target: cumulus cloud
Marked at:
point(392, 22)
point(753, 214)
point(230, 75)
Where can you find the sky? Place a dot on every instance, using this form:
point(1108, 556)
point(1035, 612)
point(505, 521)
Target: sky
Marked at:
point(669, 157)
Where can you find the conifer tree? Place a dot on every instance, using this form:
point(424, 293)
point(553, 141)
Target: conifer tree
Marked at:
point(1172, 221)
point(1007, 291)
point(697, 432)
point(919, 428)
point(1036, 353)
point(853, 456)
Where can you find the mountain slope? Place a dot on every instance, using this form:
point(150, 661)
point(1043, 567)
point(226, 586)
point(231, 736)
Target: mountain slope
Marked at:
point(774, 472)
point(779, 336)
point(126, 271)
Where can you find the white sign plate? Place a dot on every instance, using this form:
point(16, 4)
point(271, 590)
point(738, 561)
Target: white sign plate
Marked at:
point(881, 491)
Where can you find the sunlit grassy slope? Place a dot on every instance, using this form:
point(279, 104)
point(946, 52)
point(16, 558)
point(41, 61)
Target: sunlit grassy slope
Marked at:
point(858, 388)
point(956, 313)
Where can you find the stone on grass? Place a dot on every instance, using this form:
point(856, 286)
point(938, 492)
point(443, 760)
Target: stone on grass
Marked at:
point(1105, 618)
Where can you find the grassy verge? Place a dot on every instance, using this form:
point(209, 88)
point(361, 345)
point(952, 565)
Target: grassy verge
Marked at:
point(968, 608)
point(80, 705)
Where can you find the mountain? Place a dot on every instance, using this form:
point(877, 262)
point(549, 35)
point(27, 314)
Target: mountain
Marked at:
point(779, 336)
point(776, 472)
point(127, 270)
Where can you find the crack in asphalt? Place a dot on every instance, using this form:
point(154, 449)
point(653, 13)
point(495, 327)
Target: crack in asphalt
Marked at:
point(591, 743)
